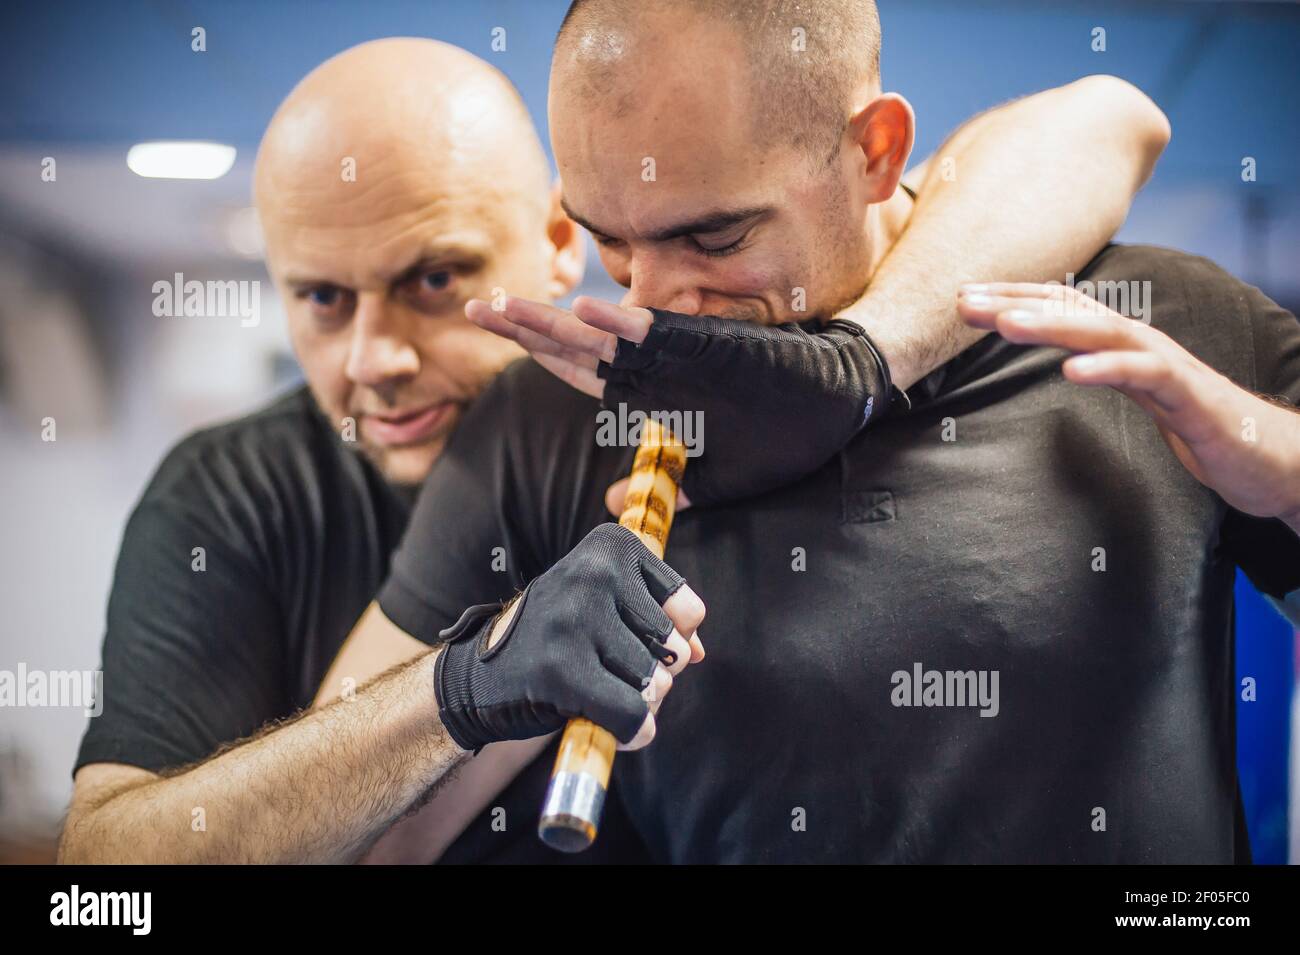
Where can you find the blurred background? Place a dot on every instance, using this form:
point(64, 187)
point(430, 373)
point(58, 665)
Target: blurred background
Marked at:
point(79, 253)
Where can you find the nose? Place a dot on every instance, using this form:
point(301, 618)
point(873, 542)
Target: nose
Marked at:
point(656, 284)
point(381, 352)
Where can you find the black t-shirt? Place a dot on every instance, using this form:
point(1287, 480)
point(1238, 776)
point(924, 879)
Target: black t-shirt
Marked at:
point(203, 647)
point(1012, 527)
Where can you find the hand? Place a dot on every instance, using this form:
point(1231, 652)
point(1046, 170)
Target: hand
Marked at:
point(778, 401)
point(600, 635)
point(1242, 446)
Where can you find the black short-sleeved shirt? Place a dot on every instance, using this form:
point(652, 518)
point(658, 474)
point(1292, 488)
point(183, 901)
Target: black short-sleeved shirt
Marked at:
point(1011, 525)
point(249, 558)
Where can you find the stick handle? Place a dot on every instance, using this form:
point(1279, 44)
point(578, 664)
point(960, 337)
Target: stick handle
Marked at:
point(580, 779)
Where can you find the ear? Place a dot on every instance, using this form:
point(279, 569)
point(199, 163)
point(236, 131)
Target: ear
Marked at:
point(568, 252)
point(884, 130)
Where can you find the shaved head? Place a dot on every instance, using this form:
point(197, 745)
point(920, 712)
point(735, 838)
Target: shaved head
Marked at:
point(730, 157)
point(415, 113)
point(398, 180)
point(807, 60)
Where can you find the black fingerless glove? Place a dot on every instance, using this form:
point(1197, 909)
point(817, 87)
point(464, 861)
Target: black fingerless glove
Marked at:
point(775, 402)
point(584, 641)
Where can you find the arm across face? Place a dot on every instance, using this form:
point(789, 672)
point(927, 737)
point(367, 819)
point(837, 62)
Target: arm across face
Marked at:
point(1029, 191)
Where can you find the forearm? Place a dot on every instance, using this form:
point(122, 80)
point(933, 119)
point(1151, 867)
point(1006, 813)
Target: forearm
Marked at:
point(319, 789)
point(1026, 192)
point(422, 836)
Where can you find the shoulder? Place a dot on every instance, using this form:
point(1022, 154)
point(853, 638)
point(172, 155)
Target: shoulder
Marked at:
point(238, 474)
point(277, 436)
point(1120, 260)
point(1194, 301)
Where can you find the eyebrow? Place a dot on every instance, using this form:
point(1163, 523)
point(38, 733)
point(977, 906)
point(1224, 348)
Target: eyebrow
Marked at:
point(713, 221)
point(470, 255)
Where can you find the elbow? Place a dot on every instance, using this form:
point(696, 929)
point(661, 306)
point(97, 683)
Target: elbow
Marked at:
point(71, 849)
point(1142, 125)
point(79, 843)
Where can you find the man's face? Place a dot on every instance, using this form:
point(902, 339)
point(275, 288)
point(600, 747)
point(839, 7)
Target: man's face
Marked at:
point(689, 211)
point(375, 274)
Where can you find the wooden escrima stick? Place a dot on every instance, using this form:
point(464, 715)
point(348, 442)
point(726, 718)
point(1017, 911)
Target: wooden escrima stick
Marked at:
point(576, 797)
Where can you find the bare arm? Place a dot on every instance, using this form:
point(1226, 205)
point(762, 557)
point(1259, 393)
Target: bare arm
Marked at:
point(1023, 193)
point(422, 837)
point(320, 788)
point(1040, 186)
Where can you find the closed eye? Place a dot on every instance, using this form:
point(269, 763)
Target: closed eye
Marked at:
point(718, 251)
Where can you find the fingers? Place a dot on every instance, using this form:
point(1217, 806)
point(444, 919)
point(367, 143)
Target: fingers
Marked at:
point(654, 696)
point(576, 376)
point(664, 612)
point(1010, 289)
point(1081, 333)
point(697, 649)
point(633, 688)
point(558, 326)
point(682, 652)
point(667, 599)
point(1144, 372)
point(686, 610)
point(659, 686)
point(499, 323)
point(661, 615)
point(485, 316)
point(629, 323)
point(1060, 317)
point(982, 309)
point(614, 495)
point(628, 657)
point(624, 711)
point(660, 683)
point(617, 492)
point(1166, 382)
point(1139, 361)
point(643, 736)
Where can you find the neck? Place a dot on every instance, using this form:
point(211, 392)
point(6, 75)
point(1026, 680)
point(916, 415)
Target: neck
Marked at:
point(886, 222)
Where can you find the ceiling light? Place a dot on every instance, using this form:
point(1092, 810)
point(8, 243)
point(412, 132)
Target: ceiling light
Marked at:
point(180, 160)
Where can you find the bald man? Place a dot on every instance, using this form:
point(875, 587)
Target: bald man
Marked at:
point(994, 626)
point(207, 749)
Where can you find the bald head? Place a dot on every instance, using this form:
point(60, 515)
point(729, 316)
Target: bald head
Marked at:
point(412, 116)
point(804, 61)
